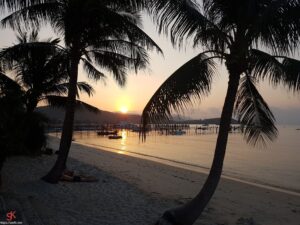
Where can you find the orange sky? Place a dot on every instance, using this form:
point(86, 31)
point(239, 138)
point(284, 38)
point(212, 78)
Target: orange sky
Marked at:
point(141, 86)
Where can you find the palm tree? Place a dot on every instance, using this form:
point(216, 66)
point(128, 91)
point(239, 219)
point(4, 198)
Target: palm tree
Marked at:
point(21, 133)
point(40, 73)
point(40, 69)
point(255, 40)
point(103, 33)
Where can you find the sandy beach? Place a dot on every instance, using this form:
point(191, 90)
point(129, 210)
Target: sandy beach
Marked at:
point(137, 191)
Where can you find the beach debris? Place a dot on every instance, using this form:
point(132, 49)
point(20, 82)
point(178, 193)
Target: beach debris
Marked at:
point(245, 221)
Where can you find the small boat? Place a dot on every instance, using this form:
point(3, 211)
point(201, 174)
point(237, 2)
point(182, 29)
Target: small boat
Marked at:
point(107, 132)
point(114, 136)
point(202, 128)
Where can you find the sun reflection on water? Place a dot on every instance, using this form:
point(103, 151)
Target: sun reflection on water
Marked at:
point(123, 142)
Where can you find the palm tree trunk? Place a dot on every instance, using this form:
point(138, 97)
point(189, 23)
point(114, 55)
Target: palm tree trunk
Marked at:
point(67, 131)
point(2, 160)
point(188, 213)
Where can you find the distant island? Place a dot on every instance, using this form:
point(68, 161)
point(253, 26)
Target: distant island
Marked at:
point(56, 115)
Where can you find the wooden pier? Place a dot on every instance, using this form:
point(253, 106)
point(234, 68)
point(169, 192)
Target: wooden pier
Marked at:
point(152, 129)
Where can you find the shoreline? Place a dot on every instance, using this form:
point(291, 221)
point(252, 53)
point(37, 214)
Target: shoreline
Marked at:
point(135, 191)
point(232, 200)
point(191, 167)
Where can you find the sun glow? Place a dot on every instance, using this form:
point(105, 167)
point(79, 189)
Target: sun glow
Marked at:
point(123, 104)
point(124, 109)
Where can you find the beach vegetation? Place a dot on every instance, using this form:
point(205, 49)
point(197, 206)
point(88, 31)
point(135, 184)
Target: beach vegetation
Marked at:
point(37, 72)
point(20, 133)
point(40, 68)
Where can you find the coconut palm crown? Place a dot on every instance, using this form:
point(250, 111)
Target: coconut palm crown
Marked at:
point(105, 34)
point(40, 69)
point(257, 41)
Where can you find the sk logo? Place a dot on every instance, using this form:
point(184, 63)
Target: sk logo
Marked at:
point(11, 216)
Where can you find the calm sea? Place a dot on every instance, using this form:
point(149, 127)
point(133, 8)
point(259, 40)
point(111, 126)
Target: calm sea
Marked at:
point(277, 165)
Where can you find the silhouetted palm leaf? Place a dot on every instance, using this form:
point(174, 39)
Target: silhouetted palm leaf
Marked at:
point(254, 114)
point(265, 66)
point(115, 63)
point(192, 80)
point(17, 4)
point(40, 67)
point(278, 70)
point(19, 51)
point(292, 73)
point(7, 84)
point(275, 24)
point(91, 71)
point(184, 19)
point(85, 88)
point(33, 15)
point(136, 55)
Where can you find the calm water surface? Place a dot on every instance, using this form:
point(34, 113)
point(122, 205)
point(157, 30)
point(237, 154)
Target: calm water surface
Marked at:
point(277, 165)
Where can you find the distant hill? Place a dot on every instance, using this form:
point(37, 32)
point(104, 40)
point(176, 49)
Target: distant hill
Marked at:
point(56, 115)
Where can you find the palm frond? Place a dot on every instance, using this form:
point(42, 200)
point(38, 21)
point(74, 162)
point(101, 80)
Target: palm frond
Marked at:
point(115, 63)
point(124, 24)
point(265, 66)
point(292, 74)
point(7, 84)
point(13, 5)
point(92, 72)
point(18, 52)
point(85, 88)
point(133, 17)
point(57, 89)
point(277, 69)
point(135, 5)
point(254, 114)
point(190, 81)
point(61, 102)
point(32, 15)
point(184, 19)
point(138, 36)
point(136, 55)
point(276, 25)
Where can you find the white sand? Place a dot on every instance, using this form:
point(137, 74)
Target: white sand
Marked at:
point(137, 191)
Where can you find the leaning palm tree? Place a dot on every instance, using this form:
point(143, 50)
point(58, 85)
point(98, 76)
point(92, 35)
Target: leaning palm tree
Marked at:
point(255, 40)
point(103, 33)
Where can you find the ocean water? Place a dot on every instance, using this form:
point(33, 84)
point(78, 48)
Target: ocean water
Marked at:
point(277, 165)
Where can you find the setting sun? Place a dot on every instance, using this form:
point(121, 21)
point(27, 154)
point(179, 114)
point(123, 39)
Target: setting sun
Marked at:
point(123, 104)
point(123, 109)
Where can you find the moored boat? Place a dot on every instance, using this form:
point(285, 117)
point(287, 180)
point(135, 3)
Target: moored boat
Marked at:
point(114, 136)
point(107, 132)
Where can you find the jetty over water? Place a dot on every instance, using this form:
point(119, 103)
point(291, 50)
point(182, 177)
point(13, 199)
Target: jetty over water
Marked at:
point(152, 129)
